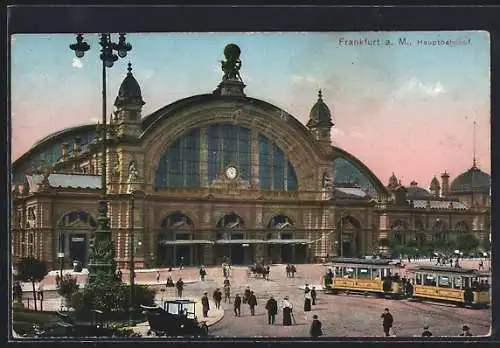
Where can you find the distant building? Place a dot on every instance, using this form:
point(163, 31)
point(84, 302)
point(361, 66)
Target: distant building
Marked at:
point(226, 175)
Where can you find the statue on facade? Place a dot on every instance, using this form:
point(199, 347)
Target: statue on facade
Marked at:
point(116, 166)
point(232, 64)
point(325, 182)
point(133, 173)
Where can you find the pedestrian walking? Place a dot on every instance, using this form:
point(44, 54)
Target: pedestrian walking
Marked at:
point(58, 278)
point(237, 305)
point(465, 331)
point(203, 273)
point(119, 274)
point(252, 302)
point(157, 276)
point(227, 293)
point(481, 265)
point(287, 311)
point(205, 304)
point(313, 295)
point(315, 331)
point(272, 310)
point(307, 299)
point(293, 269)
point(288, 271)
point(246, 294)
point(40, 292)
point(181, 266)
point(180, 287)
point(426, 332)
point(387, 321)
point(217, 296)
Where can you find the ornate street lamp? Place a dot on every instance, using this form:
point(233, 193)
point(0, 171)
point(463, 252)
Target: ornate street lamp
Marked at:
point(102, 254)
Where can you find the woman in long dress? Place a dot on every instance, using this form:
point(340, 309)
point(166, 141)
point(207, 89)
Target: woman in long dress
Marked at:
point(287, 312)
point(307, 299)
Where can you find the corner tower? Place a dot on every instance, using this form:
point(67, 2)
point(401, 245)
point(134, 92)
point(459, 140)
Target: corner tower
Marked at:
point(128, 105)
point(320, 123)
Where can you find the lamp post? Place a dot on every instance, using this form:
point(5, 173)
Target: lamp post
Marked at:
point(341, 242)
point(102, 256)
point(131, 257)
point(60, 256)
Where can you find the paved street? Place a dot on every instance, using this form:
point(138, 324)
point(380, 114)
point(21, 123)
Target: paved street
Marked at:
point(341, 315)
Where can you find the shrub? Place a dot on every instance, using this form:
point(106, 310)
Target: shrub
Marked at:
point(113, 299)
point(66, 287)
point(31, 270)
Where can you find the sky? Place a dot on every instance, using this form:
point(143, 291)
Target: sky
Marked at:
point(406, 107)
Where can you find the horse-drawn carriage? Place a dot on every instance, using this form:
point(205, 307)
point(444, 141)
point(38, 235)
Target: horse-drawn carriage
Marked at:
point(176, 318)
point(258, 269)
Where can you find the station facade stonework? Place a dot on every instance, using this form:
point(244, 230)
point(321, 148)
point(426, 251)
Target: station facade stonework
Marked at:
point(224, 175)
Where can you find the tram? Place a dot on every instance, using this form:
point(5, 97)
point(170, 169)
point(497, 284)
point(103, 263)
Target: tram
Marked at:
point(367, 276)
point(462, 286)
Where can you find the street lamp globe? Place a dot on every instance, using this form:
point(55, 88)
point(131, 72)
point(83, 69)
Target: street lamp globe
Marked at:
point(79, 53)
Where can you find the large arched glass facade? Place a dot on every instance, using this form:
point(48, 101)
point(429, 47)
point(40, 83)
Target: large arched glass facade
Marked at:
point(345, 172)
point(275, 172)
point(198, 158)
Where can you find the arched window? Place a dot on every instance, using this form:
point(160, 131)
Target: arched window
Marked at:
point(461, 229)
point(228, 224)
point(398, 232)
point(346, 172)
point(275, 173)
point(440, 231)
point(179, 166)
point(198, 158)
point(228, 144)
point(177, 226)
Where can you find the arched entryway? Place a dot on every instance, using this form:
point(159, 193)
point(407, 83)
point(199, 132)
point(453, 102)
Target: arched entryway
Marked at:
point(347, 243)
point(175, 241)
point(231, 245)
point(399, 233)
point(74, 230)
point(281, 244)
point(461, 229)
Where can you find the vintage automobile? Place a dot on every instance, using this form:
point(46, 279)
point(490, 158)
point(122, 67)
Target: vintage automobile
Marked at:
point(176, 318)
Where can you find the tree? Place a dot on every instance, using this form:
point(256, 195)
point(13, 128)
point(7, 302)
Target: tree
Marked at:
point(467, 243)
point(30, 269)
point(67, 287)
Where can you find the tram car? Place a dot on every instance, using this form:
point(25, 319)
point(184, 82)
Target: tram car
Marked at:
point(461, 286)
point(367, 276)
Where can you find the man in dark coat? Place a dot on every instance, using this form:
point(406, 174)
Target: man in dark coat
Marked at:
point(180, 287)
point(465, 331)
point(246, 294)
point(217, 296)
point(252, 302)
point(313, 295)
point(426, 332)
point(203, 273)
point(387, 321)
point(272, 310)
point(237, 305)
point(315, 330)
point(205, 304)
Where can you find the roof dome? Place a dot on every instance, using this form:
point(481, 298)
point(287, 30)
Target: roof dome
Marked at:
point(416, 192)
point(130, 91)
point(473, 179)
point(320, 113)
point(393, 181)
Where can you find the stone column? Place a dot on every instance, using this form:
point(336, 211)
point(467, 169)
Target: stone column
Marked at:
point(203, 158)
point(254, 159)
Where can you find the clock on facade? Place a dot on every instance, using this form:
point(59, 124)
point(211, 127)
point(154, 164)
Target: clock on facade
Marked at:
point(231, 172)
